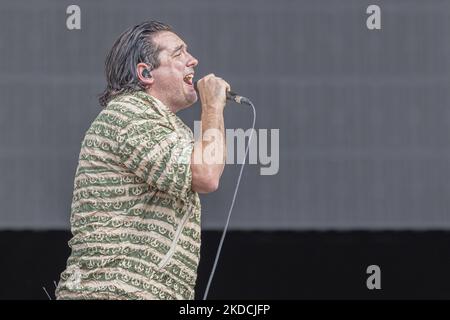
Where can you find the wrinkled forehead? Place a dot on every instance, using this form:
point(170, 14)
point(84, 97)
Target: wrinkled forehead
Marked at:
point(168, 41)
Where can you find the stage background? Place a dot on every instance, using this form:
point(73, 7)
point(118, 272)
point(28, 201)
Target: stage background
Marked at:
point(364, 120)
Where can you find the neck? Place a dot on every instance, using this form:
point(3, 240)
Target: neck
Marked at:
point(162, 100)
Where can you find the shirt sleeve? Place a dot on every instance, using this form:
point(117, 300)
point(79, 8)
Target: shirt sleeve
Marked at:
point(155, 152)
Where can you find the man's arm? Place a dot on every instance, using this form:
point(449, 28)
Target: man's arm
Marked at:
point(209, 154)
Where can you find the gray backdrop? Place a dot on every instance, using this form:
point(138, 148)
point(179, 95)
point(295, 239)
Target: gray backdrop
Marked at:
point(363, 115)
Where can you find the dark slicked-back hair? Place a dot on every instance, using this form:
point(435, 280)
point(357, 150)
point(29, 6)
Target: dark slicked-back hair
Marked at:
point(133, 46)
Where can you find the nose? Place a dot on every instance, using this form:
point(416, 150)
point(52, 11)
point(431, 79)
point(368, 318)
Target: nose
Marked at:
point(192, 61)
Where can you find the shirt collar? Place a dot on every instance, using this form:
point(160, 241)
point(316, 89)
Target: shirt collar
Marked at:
point(154, 101)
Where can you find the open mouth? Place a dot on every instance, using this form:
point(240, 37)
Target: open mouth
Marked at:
point(188, 79)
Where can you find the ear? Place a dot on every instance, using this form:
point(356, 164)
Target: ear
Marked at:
point(147, 81)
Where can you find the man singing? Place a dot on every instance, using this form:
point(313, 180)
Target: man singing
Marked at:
point(136, 211)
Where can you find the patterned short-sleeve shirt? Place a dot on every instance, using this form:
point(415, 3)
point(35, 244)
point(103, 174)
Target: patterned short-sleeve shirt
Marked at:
point(135, 220)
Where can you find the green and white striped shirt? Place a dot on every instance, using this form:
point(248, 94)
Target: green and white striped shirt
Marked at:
point(135, 220)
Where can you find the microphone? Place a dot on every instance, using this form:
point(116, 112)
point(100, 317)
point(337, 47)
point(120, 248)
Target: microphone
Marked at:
point(232, 96)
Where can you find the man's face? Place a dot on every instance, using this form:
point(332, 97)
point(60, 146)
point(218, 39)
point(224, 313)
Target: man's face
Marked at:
point(173, 79)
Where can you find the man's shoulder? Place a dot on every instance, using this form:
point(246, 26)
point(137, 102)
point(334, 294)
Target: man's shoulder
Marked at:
point(134, 102)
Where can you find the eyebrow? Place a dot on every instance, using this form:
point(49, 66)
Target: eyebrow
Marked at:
point(179, 48)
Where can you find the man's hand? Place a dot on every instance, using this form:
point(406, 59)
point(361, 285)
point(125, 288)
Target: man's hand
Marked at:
point(212, 92)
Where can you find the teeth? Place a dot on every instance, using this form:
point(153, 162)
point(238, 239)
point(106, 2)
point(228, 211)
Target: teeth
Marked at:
point(188, 78)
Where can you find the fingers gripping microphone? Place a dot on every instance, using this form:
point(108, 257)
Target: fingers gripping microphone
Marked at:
point(232, 96)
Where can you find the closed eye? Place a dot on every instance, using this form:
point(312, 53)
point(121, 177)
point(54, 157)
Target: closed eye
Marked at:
point(178, 50)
